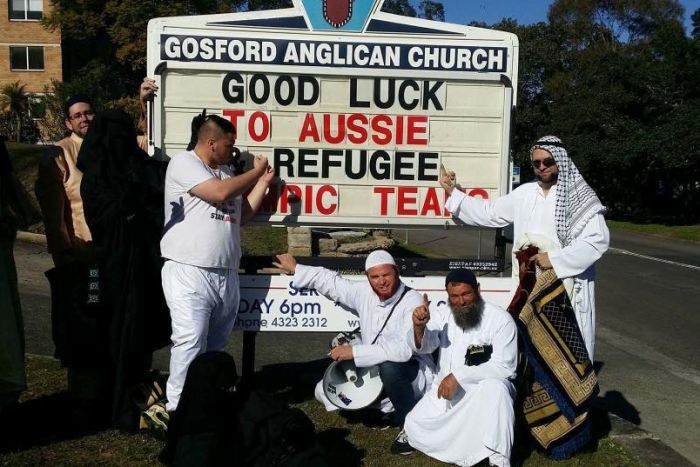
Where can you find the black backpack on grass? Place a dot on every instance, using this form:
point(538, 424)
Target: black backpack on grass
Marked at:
point(276, 435)
point(219, 424)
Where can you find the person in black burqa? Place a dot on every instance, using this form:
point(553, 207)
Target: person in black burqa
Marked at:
point(12, 214)
point(122, 192)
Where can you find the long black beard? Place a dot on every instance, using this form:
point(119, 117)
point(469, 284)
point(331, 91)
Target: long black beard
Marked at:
point(469, 316)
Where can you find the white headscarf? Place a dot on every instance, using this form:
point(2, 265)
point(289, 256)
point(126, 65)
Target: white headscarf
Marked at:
point(577, 203)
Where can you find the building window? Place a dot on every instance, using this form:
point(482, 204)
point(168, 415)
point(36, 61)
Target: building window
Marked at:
point(26, 9)
point(26, 58)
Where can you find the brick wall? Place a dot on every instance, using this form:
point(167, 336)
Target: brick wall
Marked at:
point(29, 33)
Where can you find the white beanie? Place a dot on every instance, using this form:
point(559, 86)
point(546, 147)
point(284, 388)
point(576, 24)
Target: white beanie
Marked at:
point(377, 258)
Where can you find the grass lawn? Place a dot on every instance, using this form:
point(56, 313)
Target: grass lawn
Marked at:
point(346, 440)
point(679, 232)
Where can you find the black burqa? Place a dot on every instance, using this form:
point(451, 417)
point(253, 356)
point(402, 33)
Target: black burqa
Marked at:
point(122, 191)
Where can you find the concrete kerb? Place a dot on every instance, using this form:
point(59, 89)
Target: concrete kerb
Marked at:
point(31, 237)
point(644, 446)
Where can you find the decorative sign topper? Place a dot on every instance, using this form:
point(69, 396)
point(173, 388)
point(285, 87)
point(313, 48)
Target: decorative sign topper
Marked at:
point(339, 15)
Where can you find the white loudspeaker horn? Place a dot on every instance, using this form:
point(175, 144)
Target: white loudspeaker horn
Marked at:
point(351, 388)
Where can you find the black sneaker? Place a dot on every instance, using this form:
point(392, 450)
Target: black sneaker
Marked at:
point(400, 445)
point(384, 422)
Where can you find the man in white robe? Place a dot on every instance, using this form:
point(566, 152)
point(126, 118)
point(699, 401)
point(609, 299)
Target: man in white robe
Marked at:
point(384, 306)
point(467, 416)
point(561, 210)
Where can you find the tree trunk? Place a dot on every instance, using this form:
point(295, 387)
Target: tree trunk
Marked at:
point(19, 129)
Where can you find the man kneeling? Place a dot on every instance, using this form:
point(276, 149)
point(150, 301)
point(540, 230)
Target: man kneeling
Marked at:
point(384, 305)
point(467, 415)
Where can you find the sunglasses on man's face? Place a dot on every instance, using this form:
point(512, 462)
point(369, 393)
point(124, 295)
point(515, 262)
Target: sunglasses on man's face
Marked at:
point(548, 162)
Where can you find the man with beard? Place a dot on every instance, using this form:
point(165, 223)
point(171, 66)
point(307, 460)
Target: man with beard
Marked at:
point(384, 306)
point(559, 213)
point(467, 416)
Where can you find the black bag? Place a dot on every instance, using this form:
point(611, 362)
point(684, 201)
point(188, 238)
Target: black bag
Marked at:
point(275, 434)
point(220, 424)
point(204, 431)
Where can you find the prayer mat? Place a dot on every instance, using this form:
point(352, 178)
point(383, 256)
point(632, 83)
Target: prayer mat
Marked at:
point(563, 383)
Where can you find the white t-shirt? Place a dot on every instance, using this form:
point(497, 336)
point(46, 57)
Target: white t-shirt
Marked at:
point(197, 232)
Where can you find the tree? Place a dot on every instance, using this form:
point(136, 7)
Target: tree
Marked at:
point(427, 9)
point(14, 103)
point(399, 7)
point(116, 29)
point(431, 10)
point(695, 18)
point(612, 21)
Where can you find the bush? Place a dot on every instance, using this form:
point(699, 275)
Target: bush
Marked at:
point(28, 133)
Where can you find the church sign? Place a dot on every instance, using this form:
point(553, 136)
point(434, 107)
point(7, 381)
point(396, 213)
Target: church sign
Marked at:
point(355, 108)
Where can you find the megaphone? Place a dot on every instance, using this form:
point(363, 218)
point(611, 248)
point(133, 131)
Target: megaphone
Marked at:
point(351, 388)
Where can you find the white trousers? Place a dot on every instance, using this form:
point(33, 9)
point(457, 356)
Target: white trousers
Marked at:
point(203, 305)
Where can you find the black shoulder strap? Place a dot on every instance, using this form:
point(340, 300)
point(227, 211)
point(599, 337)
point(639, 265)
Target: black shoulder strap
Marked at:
point(403, 294)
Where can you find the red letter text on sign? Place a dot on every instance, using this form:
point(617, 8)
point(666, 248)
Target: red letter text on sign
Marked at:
point(264, 126)
point(309, 129)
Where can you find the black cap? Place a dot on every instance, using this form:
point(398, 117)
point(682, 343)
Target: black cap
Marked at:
point(74, 100)
point(463, 276)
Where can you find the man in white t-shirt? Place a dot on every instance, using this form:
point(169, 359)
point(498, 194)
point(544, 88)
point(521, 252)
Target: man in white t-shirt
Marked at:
point(201, 242)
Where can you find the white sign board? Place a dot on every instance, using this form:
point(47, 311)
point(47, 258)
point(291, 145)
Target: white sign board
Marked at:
point(356, 109)
point(272, 303)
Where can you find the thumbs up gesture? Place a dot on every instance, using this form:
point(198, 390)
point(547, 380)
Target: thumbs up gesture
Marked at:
point(421, 315)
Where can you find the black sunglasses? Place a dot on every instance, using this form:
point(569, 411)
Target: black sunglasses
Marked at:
point(548, 162)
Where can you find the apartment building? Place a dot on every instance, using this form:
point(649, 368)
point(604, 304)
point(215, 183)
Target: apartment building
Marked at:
point(28, 53)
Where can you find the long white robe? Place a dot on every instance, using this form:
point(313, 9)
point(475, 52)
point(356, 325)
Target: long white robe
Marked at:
point(531, 212)
point(391, 346)
point(478, 422)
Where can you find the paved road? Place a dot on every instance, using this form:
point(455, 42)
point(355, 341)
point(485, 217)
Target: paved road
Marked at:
point(648, 328)
point(648, 295)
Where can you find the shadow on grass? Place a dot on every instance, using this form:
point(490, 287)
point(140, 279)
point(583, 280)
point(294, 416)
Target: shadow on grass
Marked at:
point(338, 450)
point(291, 382)
point(43, 421)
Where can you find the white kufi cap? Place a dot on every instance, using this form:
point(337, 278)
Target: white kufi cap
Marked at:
point(377, 258)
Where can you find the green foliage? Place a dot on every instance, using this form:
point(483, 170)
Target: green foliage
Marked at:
point(695, 18)
point(617, 81)
point(399, 7)
point(114, 32)
point(427, 9)
point(15, 122)
point(434, 11)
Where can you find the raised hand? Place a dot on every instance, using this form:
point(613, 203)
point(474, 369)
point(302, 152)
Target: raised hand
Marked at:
point(286, 262)
point(542, 260)
point(260, 163)
point(448, 180)
point(268, 175)
point(147, 90)
point(421, 315)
